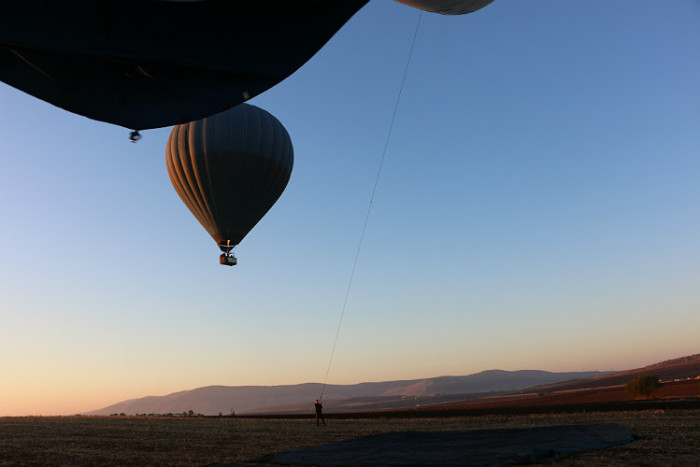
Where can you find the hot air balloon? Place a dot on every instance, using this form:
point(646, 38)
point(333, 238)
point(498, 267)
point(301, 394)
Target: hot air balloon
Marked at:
point(229, 169)
point(447, 7)
point(154, 63)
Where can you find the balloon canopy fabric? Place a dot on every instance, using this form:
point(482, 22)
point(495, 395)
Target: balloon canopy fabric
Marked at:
point(447, 7)
point(152, 63)
point(229, 169)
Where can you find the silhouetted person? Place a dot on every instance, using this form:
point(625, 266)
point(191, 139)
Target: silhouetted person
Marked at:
point(319, 412)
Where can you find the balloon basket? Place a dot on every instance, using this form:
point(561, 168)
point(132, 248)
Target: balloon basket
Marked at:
point(228, 260)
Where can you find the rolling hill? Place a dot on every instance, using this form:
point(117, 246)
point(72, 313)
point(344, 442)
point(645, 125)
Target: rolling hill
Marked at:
point(492, 388)
point(212, 400)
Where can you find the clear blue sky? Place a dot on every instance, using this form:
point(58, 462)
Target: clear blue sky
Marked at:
point(539, 208)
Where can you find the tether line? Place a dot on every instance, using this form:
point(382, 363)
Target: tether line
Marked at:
point(369, 207)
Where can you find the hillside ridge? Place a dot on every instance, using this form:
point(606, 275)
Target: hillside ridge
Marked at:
point(387, 395)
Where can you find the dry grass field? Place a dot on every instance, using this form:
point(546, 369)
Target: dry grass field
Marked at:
point(671, 437)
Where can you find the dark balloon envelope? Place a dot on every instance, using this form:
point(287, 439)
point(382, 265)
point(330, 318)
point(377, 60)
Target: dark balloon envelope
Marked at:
point(447, 7)
point(153, 63)
point(229, 169)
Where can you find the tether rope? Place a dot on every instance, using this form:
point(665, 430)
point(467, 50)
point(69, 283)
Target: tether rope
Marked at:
point(369, 207)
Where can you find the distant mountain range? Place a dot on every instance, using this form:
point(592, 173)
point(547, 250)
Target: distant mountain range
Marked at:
point(679, 389)
point(388, 395)
point(212, 400)
point(682, 368)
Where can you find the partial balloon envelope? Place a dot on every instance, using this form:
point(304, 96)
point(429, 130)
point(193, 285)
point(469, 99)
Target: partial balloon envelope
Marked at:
point(447, 7)
point(229, 169)
point(151, 63)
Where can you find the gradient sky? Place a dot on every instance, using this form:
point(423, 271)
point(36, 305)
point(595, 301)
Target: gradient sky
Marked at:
point(539, 208)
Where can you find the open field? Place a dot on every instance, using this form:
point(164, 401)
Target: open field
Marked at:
point(671, 437)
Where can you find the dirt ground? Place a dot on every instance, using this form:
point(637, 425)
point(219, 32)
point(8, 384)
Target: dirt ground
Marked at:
point(671, 437)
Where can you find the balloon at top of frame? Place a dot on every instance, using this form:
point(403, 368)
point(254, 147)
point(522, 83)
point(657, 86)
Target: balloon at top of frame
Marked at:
point(447, 7)
point(147, 64)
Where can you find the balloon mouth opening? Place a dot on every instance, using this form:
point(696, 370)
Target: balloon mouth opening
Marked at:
point(226, 246)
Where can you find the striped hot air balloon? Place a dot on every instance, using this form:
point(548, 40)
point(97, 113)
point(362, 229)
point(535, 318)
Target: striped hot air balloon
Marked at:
point(229, 169)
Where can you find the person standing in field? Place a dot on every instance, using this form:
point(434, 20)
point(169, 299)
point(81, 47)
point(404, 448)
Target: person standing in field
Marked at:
point(319, 412)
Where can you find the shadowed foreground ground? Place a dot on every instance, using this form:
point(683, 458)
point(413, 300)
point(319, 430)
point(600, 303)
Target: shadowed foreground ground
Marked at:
point(671, 437)
point(476, 448)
